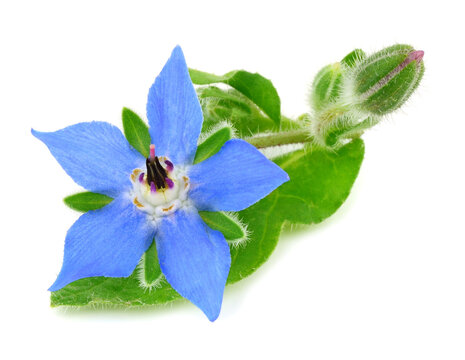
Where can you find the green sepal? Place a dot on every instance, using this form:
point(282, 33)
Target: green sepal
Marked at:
point(348, 127)
point(254, 86)
point(213, 141)
point(352, 58)
point(136, 132)
point(320, 181)
point(86, 201)
point(227, 223)
point(149, 271)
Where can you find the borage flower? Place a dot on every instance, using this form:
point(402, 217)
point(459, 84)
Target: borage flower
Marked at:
point(159, 197)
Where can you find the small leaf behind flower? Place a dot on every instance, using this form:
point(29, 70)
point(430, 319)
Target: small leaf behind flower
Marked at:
point(228, 225)
point(213, 143)
point(136, 132)
point(86, 201)
point(148, 270)
point(254, 86)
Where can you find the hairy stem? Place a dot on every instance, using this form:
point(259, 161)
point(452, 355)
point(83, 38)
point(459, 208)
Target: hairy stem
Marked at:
point(282, 138)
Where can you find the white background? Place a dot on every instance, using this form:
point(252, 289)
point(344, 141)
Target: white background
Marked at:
point(384, 278)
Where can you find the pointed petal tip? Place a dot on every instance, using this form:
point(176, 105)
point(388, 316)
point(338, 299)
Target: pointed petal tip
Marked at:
point(177, 52)
point(212, 316)
point(196, 264)
point(174, 112)
point(286, 178)
point(35, 133)
point(211, 310)
point(228, 189)
point(40, 135)
point(282, 176)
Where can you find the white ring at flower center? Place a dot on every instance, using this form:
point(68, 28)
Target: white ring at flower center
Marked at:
point(163, 202)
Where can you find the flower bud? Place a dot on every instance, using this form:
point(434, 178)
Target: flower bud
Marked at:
point(326, 86)
point(385, 80)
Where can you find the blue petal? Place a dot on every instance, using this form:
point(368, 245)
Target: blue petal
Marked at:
point(234, 178)
point(194, 259)
point(174, 112)
point(95, 154)
point(105, 242)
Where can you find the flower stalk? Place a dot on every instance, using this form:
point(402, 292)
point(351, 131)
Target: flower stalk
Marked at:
point(282, 138)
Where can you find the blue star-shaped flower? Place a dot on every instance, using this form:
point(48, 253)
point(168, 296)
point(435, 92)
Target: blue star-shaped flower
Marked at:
point(159, 197)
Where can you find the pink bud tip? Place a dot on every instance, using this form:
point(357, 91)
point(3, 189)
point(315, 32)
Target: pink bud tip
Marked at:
point(415, 56)
point(141, 177)
point(170, 183)
point(153, 188)
point(152, 152)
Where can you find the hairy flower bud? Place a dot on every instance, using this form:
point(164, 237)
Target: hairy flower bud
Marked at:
point(384, 81)
point(326, 86)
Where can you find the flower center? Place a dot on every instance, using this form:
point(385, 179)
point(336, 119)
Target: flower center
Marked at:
point(161, 189)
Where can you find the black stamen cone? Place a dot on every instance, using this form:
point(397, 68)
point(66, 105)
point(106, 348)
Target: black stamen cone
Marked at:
point(156, 173)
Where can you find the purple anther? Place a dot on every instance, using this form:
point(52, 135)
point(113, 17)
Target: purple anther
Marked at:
point(153, 188)
point(170, 183)
point(141, 178)
point(169, 165)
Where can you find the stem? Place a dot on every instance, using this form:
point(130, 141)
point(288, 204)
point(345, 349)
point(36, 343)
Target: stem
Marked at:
point(282, 138)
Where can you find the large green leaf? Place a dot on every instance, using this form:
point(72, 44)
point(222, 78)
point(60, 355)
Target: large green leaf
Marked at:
point(254, 86)
point(320, 182)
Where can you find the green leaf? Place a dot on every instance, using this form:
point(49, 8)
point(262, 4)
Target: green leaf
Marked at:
point(213, 142)
point(247, 119)
point(136, 132)
point(352, 58)
point(102, 291)
point(228, 224)
point(319, 183)
point(149, 271)
point(86, 201)
point(254, 86)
